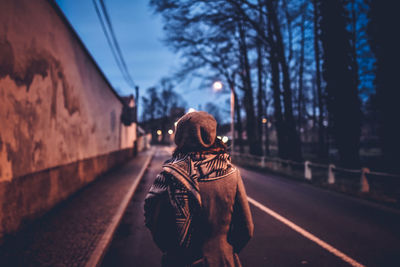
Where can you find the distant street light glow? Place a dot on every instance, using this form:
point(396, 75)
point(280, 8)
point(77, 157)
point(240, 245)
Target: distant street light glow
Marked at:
point(217, 85)
point(170, 131)
point(264, 120)
point(159, 132)
point(225, 139)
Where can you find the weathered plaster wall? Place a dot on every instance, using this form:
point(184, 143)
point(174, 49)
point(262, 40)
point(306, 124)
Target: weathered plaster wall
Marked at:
point(56, 108)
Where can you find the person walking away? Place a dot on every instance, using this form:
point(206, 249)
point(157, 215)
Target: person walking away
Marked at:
point(197, 209)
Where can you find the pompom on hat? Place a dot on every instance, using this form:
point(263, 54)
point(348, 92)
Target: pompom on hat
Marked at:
point(196, 130)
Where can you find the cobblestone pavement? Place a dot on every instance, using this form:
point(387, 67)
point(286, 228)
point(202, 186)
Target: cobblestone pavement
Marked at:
point(68, 234)
point(132, 244)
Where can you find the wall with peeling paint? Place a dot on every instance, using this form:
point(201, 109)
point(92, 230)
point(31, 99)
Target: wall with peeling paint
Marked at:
point(56, 107)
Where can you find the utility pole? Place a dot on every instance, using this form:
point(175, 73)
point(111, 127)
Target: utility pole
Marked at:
point(137, 102)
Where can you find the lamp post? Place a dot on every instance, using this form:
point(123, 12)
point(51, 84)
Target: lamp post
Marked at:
point(217, 85)
point(264, 135)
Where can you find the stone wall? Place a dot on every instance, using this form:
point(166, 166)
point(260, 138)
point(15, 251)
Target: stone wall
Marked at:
point(59, 116)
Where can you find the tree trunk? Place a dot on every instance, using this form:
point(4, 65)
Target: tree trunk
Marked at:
point(354, 43)
point(289, 30)
point(260, 70)
point(275, 85)
point(301, 71)
point(322, 151)
point(239, 126)
point(293, 139)
point(314, 103)
point(343, 102)
point(252, 137)
point(383, 17)
point(266, 133)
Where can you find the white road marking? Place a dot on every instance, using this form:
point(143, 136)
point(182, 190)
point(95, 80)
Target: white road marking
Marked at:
point(306, 234)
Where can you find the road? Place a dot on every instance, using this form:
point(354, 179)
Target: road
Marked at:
point(296, 224)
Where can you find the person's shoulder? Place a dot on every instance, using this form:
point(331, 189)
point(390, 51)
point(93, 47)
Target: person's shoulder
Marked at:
point(231, 165)
point(235, 171)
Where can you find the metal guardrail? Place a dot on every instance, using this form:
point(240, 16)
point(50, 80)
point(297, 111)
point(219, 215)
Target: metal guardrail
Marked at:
point(361, 180)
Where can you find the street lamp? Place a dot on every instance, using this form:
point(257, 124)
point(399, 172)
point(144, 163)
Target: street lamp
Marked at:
point(217, 85)
point(263, 138)
point(265, 135)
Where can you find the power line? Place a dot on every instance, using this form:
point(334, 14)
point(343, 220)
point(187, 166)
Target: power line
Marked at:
point(108, 20)
point(109, 40)
point(116, 45)
point(112, 42)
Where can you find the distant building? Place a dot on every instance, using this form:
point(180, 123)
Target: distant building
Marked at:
point(163, 129)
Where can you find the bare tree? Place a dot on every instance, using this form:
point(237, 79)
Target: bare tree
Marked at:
point(386, 50)
point(343, 102)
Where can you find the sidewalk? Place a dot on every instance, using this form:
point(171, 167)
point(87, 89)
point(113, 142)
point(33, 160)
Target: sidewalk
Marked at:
point(77, 231)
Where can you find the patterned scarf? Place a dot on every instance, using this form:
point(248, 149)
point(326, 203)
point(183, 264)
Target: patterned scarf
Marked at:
point(186, 170)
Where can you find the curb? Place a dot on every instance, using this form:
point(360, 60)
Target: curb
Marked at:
point(97, 256)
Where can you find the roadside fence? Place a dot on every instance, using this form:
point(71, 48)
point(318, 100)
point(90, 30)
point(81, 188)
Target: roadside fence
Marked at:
point(384, 186)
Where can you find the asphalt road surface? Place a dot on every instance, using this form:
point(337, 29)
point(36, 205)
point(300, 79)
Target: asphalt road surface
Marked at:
point(296, 224)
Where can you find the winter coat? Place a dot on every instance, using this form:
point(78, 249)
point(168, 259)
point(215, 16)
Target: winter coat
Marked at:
point(198, 213)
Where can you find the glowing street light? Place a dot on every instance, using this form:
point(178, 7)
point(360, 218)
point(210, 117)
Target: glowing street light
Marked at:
point(264, 120)
point(225, 139)
point(217, 85)
point(170, 131)
point(159, 132)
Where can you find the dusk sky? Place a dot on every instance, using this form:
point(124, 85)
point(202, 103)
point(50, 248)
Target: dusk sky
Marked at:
point(139, 33)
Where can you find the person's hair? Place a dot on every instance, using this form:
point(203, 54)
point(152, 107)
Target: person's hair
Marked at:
point(218, 147)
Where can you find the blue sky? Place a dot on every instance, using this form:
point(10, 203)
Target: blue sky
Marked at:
point(139, 33)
